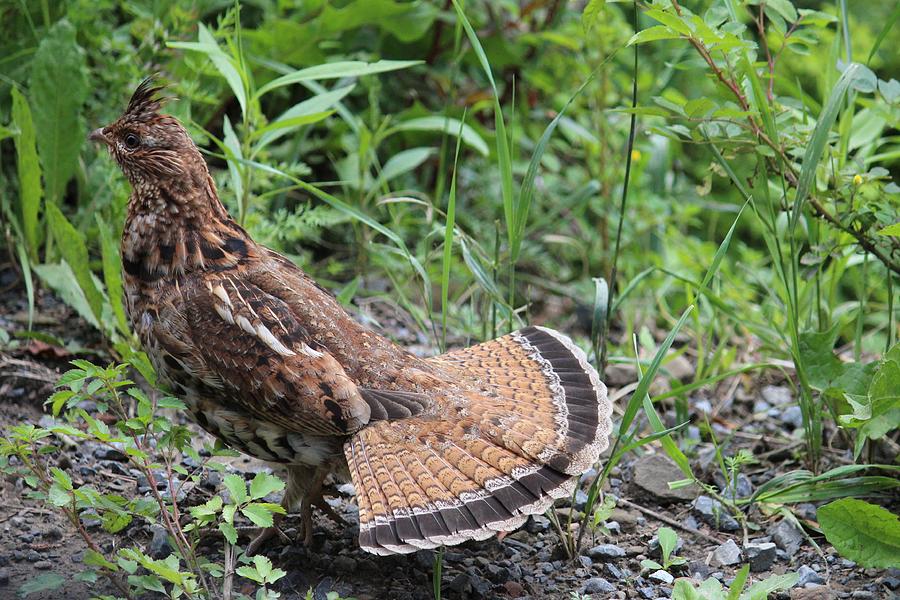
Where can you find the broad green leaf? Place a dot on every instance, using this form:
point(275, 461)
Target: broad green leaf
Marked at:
point(74, 251)
point(402, 162)
point(264, 484)
point(865, 533)
point(61, 279)
point(229, 532)
point(591, 15)
point(58, 87)
point(670, 20)
point(762, 590)
point(42, 583)
point(260, 513)
point(236, 488)
point(249, 573)
point(93, 558)
point(825, 370)
point(784, 8)
point(318, 104)
point(29, 171)
point(59, 496)
point(226, 65)
point(652, 34)
point(819, 140)
point(668, 539)
point(449, 126)
point(112, 273)
point(337, 70)
point(892, 230)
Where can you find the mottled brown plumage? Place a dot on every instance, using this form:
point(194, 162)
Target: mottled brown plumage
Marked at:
point(439, 450)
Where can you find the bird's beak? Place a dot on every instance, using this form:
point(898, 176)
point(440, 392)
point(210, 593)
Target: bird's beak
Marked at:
point(97, 135)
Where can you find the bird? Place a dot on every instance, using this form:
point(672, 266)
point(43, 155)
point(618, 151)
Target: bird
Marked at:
point(439, 450)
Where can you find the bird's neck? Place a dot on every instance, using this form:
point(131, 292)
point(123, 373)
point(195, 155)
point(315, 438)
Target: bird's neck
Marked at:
point(172, 229)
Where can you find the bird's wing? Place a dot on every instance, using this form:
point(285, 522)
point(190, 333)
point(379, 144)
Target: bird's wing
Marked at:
point(252, 345)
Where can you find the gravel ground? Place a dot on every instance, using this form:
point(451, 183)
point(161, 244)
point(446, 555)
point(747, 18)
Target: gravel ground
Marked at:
point(759, 415)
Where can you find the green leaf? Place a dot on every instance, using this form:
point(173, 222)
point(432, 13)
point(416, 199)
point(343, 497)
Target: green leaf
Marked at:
point(652, 34)
point(865, 533)
point(449, 126)
point(229, 532)
point(29, 171)
point(249, 573)
point(317, 105)
point(591, 15)
point(887, 28)
point(234, 154)
point(740, 578)
point(783, 8)
point(74, 251)
point(226, 65)
point(236, 488)
point(264, 484)
point(260, 513)
point(762, 590)
point(263, 566)
point(93, 558)
point(891, 230)
point(668, 539)
point(42, 583)
point(825, 370)
point(58, 87)
point(819, 140)
point(112, 273)
point(402, 162)
point(59, 496)
point(337, 70)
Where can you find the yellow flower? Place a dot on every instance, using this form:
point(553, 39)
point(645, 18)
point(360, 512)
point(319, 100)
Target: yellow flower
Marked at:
point(857, 180)
point(635, 155)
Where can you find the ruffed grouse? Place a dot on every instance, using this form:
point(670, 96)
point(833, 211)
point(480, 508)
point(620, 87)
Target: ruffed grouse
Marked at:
point(439, 450)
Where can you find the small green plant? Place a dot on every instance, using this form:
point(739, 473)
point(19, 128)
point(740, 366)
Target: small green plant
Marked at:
point(668, 541)
point(152, 444)
point(712, 589)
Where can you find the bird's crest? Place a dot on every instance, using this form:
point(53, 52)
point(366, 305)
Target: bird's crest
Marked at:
point(145, 101)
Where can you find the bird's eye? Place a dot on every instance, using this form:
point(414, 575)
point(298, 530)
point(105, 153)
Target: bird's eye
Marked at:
point(132, 141)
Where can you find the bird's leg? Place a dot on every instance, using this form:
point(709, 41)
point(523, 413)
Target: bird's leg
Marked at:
point(313, 497)
point(297, 477)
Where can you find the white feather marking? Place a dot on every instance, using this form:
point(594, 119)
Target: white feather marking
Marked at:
point(220, 293)
point(245, 324)
point(223, 312)
point(305, 349)
point(269, 339)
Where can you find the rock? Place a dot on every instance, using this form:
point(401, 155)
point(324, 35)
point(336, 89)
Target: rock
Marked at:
point(211, 480)
point(605, 552)
point(760, 555)
point(727, 554)
point(808, 576)
point(743, 488)
point(661, 576)
point(4, 577)
point(714, 514)
point(461, 584)
point(42, 565)
point(344, 564)
point(585, 562)
point(514, 589)
point(619, 375)
point(702, 406)
point(615, 572)
point(627, 520)
point(109, 453)
point(653, 472)
point(159, 544)
point(815, 592)
point(786, 536)
point(776, 395)
point(792, 416)
point(680, 368)
point(598, 585)
point(537, 523)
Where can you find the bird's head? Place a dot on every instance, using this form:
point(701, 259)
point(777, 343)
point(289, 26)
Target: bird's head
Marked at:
point(150, 147)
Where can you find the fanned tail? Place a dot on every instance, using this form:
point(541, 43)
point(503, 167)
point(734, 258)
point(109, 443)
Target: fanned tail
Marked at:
point(523, 415)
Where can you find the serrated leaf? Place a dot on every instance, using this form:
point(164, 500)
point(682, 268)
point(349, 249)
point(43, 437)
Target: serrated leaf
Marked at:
point(29, 171)
point(58, 87)
point(892, 230)
point(249, 573)
point(652, 34)
point(236, 488)
point(260, 513)
point(865, 533)
point(95, 559)
point(229, 532)
point(264, 484)
point(58, 496)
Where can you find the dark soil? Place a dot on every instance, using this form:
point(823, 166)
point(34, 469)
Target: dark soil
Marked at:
point(529, 563)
